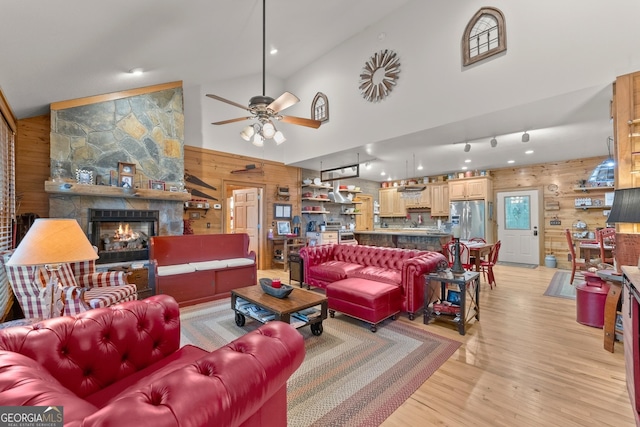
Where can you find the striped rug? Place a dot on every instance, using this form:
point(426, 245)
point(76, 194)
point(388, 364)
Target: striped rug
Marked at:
point(560, 286)
point(350, 376)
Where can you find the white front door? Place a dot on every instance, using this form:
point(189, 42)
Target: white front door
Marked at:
point(518, 228)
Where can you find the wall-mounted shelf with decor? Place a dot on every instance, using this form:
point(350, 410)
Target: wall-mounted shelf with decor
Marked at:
point(585, 189)
point(72, 189)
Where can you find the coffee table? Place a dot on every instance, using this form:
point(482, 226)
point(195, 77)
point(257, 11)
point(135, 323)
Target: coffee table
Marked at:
point(283, 309)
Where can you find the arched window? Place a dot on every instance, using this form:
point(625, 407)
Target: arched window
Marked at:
point(484, 36)
point(320, 107)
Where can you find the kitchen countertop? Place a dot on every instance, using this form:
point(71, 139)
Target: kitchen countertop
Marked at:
point(404, 232)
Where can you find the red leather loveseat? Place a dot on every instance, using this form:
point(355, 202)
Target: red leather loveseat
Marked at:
point(123, 366)
point(405, 268)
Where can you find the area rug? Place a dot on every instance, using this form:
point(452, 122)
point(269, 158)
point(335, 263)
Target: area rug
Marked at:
point(350, 376)
point(560, 286)
point(517, 264)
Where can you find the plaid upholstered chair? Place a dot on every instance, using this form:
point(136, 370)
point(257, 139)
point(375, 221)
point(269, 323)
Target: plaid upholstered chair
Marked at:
point(80, 288)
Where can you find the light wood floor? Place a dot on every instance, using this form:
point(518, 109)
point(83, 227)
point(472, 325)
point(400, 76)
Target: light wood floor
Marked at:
point(527, 362)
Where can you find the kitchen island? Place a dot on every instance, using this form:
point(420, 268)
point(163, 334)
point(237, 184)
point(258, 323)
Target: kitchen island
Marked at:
point(414, 238)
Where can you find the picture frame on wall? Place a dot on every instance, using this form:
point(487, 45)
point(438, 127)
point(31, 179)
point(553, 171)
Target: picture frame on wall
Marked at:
point(281, 211)
point(84, 176)
point(126, 181)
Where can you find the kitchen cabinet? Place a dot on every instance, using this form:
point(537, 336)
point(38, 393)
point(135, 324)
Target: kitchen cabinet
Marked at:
point(424, 201)
point(439, 199)
point(476, 188)
point(391, 204)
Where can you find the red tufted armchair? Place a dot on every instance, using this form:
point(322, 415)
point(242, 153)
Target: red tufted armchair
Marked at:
point(403, 267)
point(122, 366)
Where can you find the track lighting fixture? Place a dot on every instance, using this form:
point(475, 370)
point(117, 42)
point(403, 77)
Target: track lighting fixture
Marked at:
point(467, 147)
point(525, 137)
point(494, 142)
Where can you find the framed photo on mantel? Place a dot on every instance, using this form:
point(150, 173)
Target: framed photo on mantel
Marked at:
point(126, 174)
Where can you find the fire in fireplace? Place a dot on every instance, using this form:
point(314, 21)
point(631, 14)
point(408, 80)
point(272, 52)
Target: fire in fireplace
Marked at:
point(122, 235)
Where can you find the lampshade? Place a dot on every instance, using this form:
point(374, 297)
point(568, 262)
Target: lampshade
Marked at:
point(268, 130)
point(53, 241)
point(257, 140)
point(626, 206)
point(247, 132)
point(279, 138)
point(296, 219)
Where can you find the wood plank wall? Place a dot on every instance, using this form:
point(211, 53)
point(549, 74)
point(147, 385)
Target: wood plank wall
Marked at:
point(214, 168)
point(32, 165)
point(565, 175)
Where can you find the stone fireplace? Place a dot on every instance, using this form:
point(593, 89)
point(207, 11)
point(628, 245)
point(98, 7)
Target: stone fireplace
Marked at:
point(145, 129)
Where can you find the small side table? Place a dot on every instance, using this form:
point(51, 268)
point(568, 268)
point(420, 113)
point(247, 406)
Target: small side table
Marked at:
point(611, 307)
point(467, 284)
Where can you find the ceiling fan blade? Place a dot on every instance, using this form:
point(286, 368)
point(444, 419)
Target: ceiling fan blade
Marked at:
point(224, 122)
point(301, 121)
point(285, 100)
point(235, 104)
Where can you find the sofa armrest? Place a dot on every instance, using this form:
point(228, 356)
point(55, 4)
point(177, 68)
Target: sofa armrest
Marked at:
point(223, 388)
point(413, 271)
point(108, 278)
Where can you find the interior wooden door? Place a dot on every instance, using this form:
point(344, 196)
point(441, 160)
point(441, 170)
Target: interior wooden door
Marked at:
point(364, 221)
point(246, 209)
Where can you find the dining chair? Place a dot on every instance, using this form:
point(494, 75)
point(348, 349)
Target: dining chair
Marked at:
point(606, 237)
point(487, 266)
point(572, 253)
point(476, 240)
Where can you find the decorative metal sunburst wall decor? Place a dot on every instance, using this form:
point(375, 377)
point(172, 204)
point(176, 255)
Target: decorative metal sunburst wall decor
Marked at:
point(379, 75)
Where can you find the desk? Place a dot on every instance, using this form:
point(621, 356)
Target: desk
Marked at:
point(289, 244)
point(478, 250)
point(586, 250)
point(468, 285)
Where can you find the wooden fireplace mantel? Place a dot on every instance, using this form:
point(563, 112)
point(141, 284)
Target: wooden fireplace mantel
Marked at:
point(73, 189)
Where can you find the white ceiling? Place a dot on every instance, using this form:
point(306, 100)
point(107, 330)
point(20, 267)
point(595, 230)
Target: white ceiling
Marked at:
point(57, 50)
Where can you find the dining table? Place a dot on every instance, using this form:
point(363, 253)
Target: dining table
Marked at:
point(591, 250)
point(479, 250)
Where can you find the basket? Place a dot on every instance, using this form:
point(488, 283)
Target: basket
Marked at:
point(281, 292)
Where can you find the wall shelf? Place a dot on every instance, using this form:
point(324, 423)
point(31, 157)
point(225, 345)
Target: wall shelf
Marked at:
point(585, 189)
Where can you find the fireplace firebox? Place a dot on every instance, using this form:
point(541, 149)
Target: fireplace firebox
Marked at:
point(122, 235)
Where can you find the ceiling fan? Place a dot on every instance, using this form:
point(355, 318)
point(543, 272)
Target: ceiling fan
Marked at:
point(264, 108)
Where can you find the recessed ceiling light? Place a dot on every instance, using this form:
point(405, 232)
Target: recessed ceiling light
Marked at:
point(383, 173)
point(420, 167)
point(136, 71)
point(273, 51)
point(511, 161)
point(468, 161)
point(464, 168)
point(389, 179)
point(528, 152)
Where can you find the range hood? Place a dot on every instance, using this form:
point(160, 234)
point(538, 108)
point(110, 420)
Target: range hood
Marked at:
point(411, 188)
point(335, 195)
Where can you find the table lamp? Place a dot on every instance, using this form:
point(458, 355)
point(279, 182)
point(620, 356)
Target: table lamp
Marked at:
point(625, 209)
point(51, 242)
point(296, 225)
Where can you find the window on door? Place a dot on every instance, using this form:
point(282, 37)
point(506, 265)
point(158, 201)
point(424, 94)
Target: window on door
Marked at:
point(517, 213)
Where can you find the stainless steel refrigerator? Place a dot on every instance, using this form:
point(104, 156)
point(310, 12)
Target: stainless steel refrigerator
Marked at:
point(470, 216)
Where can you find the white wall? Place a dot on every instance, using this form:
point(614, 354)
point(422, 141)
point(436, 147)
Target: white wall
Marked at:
point(553, 48)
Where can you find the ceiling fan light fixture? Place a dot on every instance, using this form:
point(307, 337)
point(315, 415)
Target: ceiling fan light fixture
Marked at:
point(247, 133)
point(467, 147)
point(258, 140)
point(268, 130)
point(279, 138)
point(525, 137)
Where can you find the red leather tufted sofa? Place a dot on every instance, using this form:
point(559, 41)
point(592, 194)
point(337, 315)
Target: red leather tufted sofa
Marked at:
point(123, 366)
point(326, 264)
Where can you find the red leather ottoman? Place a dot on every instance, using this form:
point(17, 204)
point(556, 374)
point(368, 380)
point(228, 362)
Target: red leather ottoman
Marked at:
point(364, 299)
